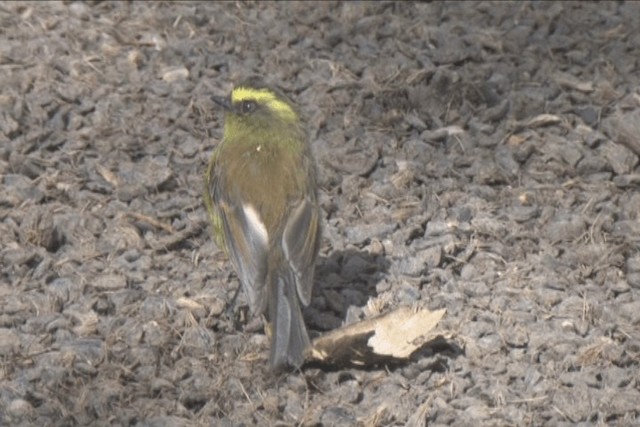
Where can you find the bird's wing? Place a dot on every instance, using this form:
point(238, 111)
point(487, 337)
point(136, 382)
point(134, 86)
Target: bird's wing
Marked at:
point(212, 210)
point(247, 247)
point(300, 242)
point(246, 242)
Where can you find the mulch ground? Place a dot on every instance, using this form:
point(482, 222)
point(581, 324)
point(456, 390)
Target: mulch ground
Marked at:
point(478, 157)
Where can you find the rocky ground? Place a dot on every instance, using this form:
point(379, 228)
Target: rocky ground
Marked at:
point(477, 157)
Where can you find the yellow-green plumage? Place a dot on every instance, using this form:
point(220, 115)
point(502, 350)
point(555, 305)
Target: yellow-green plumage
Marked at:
point(261, 195)
point(214, 218)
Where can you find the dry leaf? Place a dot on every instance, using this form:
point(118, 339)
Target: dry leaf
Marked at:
point(516, 140)
point(568, 81)
point(403, 332)
point(108, 176)
point(543, 120)
point(386, 338)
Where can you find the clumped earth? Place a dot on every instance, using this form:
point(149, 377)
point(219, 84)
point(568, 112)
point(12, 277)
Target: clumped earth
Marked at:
point(477, 157)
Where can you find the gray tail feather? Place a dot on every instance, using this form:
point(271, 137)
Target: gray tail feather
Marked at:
point(289, 338)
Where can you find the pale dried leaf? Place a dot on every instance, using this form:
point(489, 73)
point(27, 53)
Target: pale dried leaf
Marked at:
point(543, 120)
point(404, 331)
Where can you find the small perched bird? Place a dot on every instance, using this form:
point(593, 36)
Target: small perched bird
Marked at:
point(261, 195)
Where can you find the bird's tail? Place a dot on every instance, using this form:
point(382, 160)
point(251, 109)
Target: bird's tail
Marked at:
point(289, 338)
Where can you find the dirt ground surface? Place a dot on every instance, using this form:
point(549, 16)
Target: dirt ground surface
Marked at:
point(477, 157)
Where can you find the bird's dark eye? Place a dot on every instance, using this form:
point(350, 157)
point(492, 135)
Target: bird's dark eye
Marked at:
point(247, 107)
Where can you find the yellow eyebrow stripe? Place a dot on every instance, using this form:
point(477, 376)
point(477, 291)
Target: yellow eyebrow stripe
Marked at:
point(264, 97)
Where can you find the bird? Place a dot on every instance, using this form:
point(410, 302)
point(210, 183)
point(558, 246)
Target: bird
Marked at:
point(261, 194)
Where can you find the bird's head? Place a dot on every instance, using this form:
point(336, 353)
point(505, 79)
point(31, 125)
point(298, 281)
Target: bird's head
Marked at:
point(253, 109)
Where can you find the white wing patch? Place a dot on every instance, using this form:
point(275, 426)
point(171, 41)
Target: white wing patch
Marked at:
point(256, 224)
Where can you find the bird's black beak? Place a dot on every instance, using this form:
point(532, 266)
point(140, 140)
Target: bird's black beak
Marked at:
point(223, 101)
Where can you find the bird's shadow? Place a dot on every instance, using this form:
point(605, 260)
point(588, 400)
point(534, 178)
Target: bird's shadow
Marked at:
point(344, 282)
